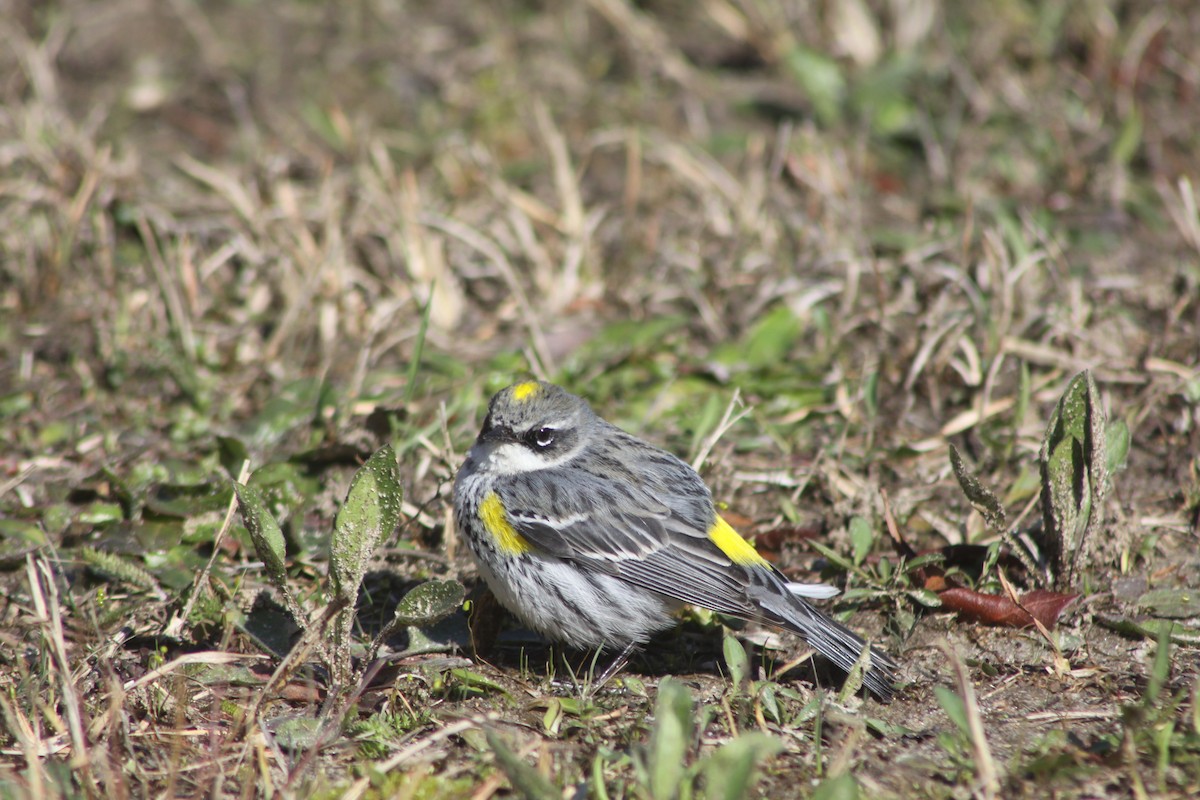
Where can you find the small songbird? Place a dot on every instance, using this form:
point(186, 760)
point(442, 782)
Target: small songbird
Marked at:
point(595, 538)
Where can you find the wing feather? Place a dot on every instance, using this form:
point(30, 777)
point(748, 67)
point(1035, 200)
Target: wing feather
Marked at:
point(650, 548)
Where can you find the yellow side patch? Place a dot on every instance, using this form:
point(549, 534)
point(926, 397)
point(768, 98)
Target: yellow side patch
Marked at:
point(524, 391)
point(508, 541)
point(733, 545)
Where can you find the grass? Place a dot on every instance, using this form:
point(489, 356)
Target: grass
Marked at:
point(810, 248)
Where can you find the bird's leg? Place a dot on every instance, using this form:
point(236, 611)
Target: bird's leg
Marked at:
point(616, 666)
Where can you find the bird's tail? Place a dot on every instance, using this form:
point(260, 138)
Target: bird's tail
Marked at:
point(830, 638)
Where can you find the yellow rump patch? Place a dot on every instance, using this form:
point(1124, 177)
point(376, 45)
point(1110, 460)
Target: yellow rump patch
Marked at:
point(508, 541)
point(524, 391)
point(733, 545)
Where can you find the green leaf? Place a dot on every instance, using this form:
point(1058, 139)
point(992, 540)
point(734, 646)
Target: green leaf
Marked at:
point(982, 498)
point(729, 773)
point(1160, 671)
point(771, 339)
point(1118, 441)
point(923, 561)
point(115, 568)
point(552, 719)
point(769, 702)
point(294, 405)
point(854, 677)
point(834, 556)
point(1075, 479)
point(924, 597)
point(821, 79)
point(670, 737)
point(1129, 139)
point(287, 491)
point(530, 783)
point(22, 533)
point(100, 513)
point(1027, 483)
point(477, 682)
point(870, 394)
point(839, 787)
point(706, 419)
point(1153, 629)
point(736, 661)
point(371, 511)
point(954, 707)
point(15, 403)
point(264, 532)
point(883, 95)
point(1171, 603)
point(183, 501)
point(862, 538)
point(296, 733)
point(414, 365)
point(429, 603)
point(232, 453)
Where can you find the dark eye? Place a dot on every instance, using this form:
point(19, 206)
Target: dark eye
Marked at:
point(542, 437)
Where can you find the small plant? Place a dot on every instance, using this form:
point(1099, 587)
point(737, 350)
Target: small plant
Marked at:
point(1079, 453)
point(379, 733)
point(662, 765)
point(371, 512)
point(1153, 729)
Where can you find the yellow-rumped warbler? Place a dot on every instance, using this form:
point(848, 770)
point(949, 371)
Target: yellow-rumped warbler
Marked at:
point(594, 537)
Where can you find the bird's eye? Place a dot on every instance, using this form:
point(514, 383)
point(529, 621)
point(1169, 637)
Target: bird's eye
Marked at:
point(542, 437)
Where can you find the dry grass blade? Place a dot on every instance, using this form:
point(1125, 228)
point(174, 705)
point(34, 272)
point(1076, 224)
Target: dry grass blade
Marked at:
point(44, 591)
point(728, 420)
point(1061, 666)
point(1184, 210)
point(490, 250)
point(640, 29)
point(180, 319)
point(987, 784)
point(186, 660)
point(313, 637)
point(225, 185)
point(174, 626)
point(32, 748)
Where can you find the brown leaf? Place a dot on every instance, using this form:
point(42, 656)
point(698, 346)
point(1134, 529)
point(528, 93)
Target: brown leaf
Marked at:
point(1047, 606)
point(992, 609)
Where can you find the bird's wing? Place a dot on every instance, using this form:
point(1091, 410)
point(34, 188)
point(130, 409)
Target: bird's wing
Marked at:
point(648, 546)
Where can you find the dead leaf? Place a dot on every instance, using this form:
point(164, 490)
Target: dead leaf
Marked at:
point(1044, 606)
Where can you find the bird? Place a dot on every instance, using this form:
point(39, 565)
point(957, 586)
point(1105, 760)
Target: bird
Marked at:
point(595, 538)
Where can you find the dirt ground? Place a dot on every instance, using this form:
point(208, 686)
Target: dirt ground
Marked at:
point(286, 234)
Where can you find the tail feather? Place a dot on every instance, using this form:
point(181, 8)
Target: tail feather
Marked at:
point(818, 591)
point(831, 639)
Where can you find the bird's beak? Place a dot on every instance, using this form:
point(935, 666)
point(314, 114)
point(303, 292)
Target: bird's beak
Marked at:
point(495, 435)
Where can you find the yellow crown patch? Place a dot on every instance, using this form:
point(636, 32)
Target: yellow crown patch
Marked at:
point(524, 391)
